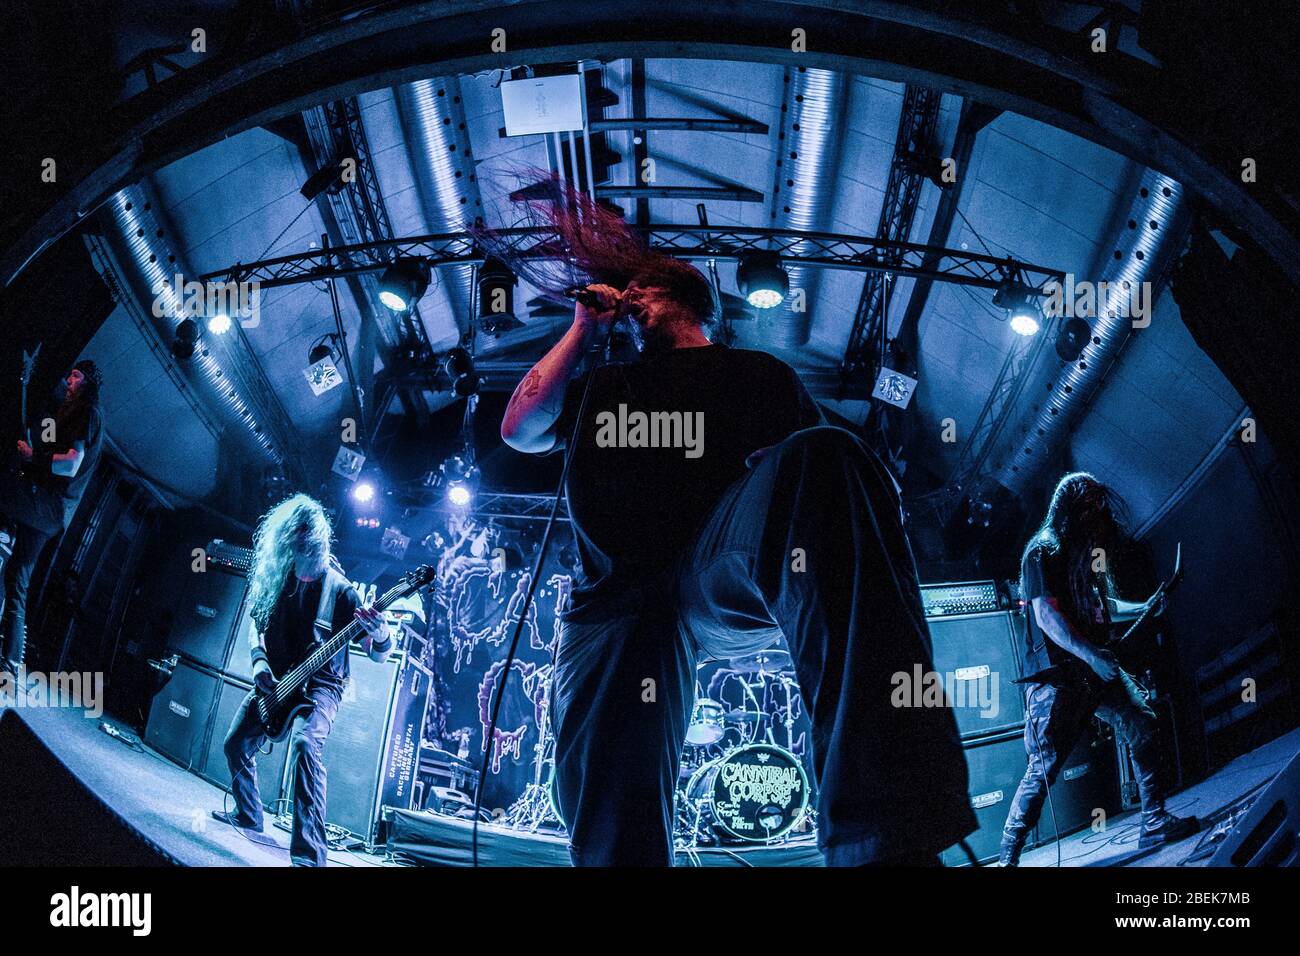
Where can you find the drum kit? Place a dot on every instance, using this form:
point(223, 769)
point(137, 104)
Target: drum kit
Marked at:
point(742, 779)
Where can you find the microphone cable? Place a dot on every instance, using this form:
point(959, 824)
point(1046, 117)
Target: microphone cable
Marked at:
point(572, 443)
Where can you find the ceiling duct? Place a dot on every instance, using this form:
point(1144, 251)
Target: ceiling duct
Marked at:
point(1147, 231)
point(802, 196)
point(222, 371)
point(433, 119)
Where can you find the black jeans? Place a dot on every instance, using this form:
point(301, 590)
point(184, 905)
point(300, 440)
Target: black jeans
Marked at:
point(809, 544)
point(17, 578)
point(1055, 718)
point(34, 515)
point(307, 846)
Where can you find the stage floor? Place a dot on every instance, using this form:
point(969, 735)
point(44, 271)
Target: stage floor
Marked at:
point(170, 807)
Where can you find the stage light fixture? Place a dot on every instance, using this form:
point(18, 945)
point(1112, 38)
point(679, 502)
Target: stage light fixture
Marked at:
point(761, 278)
point(1021, 303)
point(364, 492)
point(402, 284)
point(1024, 323)
point(458, 365)
point(330, 178)
point(219, 324)
point(187, 337)
point(322, 373)
point(496, 298)
point(1072, 339)
point(461, 477)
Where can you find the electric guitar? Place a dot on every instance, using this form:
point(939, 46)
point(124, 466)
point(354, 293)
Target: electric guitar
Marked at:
point(1076, 670)
point(24, 430)
point(278, 707)
point(1167, 586)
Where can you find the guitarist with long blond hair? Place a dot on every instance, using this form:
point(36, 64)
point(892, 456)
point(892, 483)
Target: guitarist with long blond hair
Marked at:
point(299, 597)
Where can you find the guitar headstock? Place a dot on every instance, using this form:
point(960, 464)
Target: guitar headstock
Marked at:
point(420, 577)
point(29, 362)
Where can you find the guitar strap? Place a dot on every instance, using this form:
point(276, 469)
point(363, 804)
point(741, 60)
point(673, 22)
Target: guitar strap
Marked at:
point(333, 580)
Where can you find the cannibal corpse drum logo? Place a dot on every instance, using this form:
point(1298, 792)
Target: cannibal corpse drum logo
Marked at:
point(759, 792)
point(759, 784)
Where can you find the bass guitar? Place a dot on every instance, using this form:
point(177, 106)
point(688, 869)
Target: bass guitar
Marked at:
point(277, 707)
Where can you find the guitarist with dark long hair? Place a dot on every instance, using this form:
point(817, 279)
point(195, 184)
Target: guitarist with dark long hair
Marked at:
point(299, 598)
point(1070, 602)
point(37, 503)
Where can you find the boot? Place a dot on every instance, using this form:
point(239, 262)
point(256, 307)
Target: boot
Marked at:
point(1160, 827)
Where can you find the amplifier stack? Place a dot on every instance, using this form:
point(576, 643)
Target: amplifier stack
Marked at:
point(975, 632)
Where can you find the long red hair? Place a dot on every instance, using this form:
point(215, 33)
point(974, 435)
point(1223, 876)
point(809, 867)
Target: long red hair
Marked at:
point(587, 242)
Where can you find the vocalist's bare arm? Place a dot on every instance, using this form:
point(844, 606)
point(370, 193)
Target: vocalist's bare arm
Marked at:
point(534, 408)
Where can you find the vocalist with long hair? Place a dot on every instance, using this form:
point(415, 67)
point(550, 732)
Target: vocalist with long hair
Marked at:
point(766, 523)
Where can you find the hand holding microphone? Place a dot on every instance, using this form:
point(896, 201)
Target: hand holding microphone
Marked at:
point(598, 305)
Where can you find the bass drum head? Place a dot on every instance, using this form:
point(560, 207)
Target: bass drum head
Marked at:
point(755, 794)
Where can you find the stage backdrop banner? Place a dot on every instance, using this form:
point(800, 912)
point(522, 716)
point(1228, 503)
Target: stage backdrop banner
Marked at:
point(476, 608)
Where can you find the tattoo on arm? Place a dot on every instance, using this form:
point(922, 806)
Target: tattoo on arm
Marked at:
point(532, 384)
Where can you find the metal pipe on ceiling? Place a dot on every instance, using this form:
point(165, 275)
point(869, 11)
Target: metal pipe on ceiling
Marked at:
point(1147, 231)
point(433, 119)
point(807, 160)
point(222, 370)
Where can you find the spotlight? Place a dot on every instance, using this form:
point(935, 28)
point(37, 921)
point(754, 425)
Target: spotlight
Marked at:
point(496, 298)
point(458, 365)
point(364, 492)
point(187, 336)
point(1024, 323)
point(761, 279)
point(328, 179)
point(1021, 304)
point(1073, 337)
point(461, 477)
point(402, 284)
point(219, 324)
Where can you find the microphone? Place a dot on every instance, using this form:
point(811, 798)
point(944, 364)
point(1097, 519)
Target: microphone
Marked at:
point(583, 296)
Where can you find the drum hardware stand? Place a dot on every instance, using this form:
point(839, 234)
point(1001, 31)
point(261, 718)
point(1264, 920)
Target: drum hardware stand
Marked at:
point(534, 806)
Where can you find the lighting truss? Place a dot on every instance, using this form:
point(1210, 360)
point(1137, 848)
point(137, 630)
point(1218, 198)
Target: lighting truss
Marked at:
point(1007, 388)
point(916, 124)
point(523, 507)
point(821, 249)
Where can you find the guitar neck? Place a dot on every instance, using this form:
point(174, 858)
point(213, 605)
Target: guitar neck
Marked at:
point(323, 654)
point(1142, 618)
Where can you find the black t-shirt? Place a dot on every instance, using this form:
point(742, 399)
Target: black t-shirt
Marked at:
point(290, 633)
point(1043, 574)
point(66, 492)
point(634, 506)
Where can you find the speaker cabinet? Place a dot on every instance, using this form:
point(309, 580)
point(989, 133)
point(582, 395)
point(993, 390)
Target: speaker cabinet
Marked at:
point(372, 750)
point(181, 715)
point(205, 619)
point(1088, 783)
point(975, 654)
point(270, 764)
point(996, 765)
point(238, 662)
point(1269, 834)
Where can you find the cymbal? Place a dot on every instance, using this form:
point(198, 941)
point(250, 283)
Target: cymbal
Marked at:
point(769, 661)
